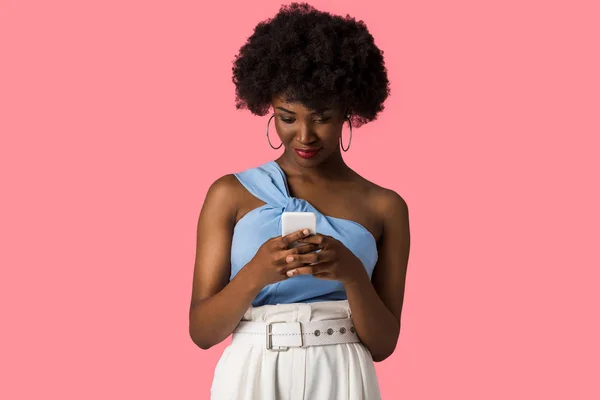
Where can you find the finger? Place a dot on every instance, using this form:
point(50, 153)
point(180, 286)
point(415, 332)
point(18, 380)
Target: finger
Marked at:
point(318, 270)
point(310, 258)
point(303, 249)
point(322, 274)
point(322, 270)
point(293, 265)
point(299, 260)
point(293, 237)
point(317, 238)
point(300, 271)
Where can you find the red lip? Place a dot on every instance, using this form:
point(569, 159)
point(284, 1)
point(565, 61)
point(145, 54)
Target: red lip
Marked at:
point(307, 152)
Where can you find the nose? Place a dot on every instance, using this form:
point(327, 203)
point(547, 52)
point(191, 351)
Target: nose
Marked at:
point(306, 134)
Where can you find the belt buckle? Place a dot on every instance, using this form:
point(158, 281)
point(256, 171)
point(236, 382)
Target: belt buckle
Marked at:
point(270, 337)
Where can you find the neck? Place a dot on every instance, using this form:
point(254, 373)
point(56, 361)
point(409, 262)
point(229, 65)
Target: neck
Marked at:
point(331, 168)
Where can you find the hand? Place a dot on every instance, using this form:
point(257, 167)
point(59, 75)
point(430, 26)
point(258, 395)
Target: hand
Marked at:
point(269, 263)
point(335, 261)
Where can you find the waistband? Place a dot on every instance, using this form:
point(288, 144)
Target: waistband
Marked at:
point(281, 326)
point(299, 312)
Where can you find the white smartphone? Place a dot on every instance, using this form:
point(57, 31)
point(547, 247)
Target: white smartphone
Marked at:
point(292, 221)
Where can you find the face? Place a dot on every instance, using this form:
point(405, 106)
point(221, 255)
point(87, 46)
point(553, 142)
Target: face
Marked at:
point(301, 128)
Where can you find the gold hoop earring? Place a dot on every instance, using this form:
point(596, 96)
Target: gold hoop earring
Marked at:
point(269, 140)
point(350, 141)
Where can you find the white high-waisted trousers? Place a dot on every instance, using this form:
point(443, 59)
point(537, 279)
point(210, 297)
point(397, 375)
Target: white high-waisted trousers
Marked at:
point(332, 372)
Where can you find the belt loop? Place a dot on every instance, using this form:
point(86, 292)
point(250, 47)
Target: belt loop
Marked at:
point(296, 314)
point(249, 315)
point(304, 312)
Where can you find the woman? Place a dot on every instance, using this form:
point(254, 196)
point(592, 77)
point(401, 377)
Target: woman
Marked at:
point(308, 322)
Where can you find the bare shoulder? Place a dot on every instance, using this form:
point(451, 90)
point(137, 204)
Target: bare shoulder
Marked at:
point(224, 192)
point(383, 198)
point(226, 184)
point(387, 204)
point(226, 188)
point(392, 209)
point(390, 201)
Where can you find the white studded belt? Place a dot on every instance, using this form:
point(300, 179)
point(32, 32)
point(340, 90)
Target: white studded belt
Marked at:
point(280, 336)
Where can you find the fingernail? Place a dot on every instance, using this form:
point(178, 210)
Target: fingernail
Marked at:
point(289, 259)
point(291, 273)
point(306, 232)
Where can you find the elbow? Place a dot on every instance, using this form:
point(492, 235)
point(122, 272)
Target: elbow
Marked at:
point(379, 357)
point(204, 346)
point(200, 340)
point(199, 336)
point(202, 343)
point(383, 354)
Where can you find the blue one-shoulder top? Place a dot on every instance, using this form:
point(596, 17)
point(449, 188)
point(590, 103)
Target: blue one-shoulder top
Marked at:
point(268, 183)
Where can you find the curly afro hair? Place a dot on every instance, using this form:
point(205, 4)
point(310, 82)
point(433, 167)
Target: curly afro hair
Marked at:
point(314, 58)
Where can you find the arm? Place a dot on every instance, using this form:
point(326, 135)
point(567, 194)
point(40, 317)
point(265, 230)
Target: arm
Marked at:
point(376, 304)
point(217, 305)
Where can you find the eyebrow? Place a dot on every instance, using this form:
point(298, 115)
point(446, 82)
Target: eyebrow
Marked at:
point(320, 111)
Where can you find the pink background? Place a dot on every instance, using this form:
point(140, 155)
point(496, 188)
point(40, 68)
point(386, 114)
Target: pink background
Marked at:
point(116, 116)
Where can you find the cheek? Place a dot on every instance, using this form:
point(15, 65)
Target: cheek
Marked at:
point(331, 136)
point(283, 130)
point(286, 133)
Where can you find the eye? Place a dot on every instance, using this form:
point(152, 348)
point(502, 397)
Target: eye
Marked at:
point(323, 120)
point(287, 120)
